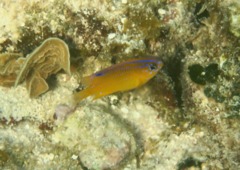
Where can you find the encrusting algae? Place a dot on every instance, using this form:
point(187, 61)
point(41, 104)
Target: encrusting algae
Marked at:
point(49, 58)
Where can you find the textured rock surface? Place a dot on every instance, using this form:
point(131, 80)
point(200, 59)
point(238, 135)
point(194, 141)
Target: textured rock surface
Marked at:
point(173, 122)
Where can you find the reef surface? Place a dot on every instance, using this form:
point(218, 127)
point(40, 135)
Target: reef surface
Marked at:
point(187, 117)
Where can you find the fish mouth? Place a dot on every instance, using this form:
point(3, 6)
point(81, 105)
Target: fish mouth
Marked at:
point(160, 64)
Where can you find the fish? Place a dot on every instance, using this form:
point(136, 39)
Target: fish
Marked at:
point(120, 77)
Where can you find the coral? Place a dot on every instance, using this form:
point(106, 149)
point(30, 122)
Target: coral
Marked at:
point(47, 59)
point(186, 117)
point(10, 64)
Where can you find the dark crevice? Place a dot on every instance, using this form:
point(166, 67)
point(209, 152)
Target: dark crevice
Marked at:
point(52, 81)
point(188, 163)
point(200, 13)
point(174, 68)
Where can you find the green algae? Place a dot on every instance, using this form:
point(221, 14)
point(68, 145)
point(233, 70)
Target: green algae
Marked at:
point(189, 162)
point(196, 74)
point(201, 75)
point(211, 92)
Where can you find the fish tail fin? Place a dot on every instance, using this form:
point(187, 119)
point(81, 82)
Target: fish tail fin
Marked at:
point(79, 96)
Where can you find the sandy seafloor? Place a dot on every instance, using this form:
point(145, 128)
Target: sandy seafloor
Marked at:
point(182, 119)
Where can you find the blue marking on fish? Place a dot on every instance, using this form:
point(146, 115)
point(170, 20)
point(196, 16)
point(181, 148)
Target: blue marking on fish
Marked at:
point(126, 67)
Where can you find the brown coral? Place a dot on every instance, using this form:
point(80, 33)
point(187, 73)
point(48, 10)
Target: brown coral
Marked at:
point(50, 57)
point(10, 64)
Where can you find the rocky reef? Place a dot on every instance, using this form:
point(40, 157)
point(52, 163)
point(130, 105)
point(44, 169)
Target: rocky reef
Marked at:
point(186, 117)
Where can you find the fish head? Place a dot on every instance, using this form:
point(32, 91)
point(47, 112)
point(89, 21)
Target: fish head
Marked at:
point(149, 67)
point(152, 66)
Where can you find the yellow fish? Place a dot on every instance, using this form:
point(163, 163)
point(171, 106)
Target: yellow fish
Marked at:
point(119, 77)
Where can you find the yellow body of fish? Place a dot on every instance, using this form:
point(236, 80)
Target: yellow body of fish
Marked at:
point(119, 77)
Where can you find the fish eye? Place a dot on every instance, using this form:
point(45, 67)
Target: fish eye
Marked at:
point(152, 66)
